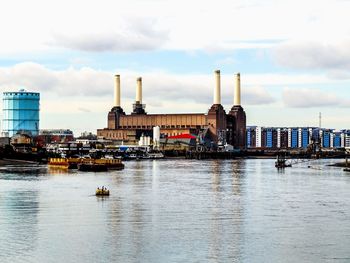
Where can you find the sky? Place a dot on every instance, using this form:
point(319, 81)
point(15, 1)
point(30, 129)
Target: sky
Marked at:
point(293, 56)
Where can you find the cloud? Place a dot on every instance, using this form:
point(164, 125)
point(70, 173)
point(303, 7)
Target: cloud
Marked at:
point(341, 74)
point(225, 61)
point(81, 109)
point(159, 88)
point(69, 82)
point(131, 35)
point(309, 98)
point(257, 96)
point(173, 25)
point(314, 55)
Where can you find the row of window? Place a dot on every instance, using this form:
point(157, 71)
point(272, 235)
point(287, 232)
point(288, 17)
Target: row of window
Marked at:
point(21, 93)
point(163, 127)
point(123, 136)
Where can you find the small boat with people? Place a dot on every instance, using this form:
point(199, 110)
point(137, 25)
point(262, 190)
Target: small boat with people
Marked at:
point(103, 191)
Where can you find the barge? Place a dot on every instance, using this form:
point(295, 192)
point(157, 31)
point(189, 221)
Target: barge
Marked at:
point(86, 164)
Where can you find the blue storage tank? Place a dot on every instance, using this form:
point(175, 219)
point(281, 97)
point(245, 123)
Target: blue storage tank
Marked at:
point(21, 112)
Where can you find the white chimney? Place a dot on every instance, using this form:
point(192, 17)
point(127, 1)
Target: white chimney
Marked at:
point(217, 96)
point(117, 90)
point(139, 90)
point(237, 92)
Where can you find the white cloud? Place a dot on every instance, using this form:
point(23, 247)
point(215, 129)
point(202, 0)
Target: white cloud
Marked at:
point(158, 87)
point(314, 55)
point(69, 82)
point(258, 96)
point(177, 25)
point(140, 34)
point(309, 98)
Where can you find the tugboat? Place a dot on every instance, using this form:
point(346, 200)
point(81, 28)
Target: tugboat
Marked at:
point(281, 161)
point(102, 191)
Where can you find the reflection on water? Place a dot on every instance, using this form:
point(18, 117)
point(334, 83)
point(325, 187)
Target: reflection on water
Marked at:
point(176, 211)
point(18, 219)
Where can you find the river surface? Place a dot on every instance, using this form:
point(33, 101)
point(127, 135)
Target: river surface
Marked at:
point(177, 211)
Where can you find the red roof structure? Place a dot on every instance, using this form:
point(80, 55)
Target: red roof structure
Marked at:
point(182, 136)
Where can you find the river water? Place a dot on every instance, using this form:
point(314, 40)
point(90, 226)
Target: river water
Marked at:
point(177, 211)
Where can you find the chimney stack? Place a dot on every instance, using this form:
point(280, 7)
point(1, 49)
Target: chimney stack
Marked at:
point(117, 90)
point(139, 91)
point(237, 92)
point(217, 95)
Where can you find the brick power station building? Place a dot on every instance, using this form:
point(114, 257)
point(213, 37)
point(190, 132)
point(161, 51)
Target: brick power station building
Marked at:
point(218, 126)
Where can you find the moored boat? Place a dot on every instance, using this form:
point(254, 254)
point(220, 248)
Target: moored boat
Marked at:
point(65, 163)
point(115, 164)
point(92, 167)
point(155, 155)
point(85, 164)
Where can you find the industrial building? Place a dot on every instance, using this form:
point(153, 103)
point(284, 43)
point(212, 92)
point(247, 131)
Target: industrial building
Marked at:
point(295, 137)
point(215, 126)
point(20, 112)
point(53, 136)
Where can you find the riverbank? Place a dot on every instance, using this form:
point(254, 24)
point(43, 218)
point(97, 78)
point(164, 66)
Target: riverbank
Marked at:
point(4, 162)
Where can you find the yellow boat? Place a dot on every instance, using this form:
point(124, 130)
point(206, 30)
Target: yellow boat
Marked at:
point(102, 192)
point(66, 163)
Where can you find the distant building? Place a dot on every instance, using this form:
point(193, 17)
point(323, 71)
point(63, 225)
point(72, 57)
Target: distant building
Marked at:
point(221, 127)
point(88, 135)
point(21, 112)
point(346, 138)
point(295, 137)
point(53, 136)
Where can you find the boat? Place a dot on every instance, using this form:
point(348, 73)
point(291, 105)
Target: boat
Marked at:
point(281, 162)
point(102, 192)
point(92, 167)
point(86, 164)
point(65, 163)
point(133, 156)
point(155, 155)
point(113, 164)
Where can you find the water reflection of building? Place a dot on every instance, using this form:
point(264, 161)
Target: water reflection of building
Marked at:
point(238, 173)
point(19, 217)
point(227, 211)
point(127, 216)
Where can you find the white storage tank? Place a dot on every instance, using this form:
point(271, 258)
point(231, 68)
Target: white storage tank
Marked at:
point(156, 136)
